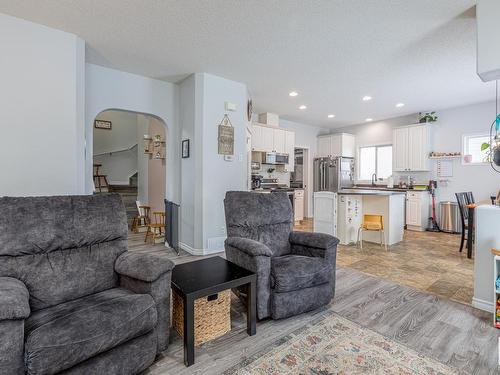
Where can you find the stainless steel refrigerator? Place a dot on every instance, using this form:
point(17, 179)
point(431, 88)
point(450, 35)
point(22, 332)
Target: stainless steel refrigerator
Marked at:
point(333, 174)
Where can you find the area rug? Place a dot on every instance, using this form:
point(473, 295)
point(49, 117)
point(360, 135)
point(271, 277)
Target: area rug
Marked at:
point(335, 345)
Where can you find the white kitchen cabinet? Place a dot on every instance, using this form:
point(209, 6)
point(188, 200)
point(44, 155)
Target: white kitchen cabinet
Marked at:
point(298, 204)
point(400, 149)
point(341, 144)
point(411, 147)
point(257, 144)
point(417, 210)
point(279, 141)
point(324, 146)
point(290, 150)
point(267, 135)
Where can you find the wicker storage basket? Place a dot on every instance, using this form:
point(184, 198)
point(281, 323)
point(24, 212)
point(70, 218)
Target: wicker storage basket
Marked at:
point(212, 318)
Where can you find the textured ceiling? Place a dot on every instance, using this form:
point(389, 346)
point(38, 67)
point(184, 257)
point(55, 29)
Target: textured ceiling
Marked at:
point(419, 52)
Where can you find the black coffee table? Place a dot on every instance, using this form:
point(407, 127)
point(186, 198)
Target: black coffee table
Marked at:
point(203, 278)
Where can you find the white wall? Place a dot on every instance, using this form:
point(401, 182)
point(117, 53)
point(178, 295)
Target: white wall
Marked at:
point(42, 88)
point(113, 89)
point(220, 176)
point(306, 137)
point(205, 175)
point(124, 138)
point(447, 135)
point(452, 124)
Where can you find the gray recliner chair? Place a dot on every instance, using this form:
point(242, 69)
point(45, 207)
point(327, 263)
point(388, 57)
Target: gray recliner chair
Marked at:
point(295, 270)
point(73, 300)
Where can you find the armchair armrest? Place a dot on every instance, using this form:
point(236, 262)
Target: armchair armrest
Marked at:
point(14, 299)
point(248, 246)
point(315, 240)
point(143, 266)
point(314, 245)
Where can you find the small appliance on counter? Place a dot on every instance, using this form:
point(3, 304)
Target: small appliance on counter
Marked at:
point(256, 181)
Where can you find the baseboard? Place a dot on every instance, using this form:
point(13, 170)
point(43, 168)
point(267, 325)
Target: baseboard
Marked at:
point(483, 305)
point(193, 251)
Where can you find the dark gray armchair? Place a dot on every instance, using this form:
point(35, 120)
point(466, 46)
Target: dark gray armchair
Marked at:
point(73, 300)
point(295, 270)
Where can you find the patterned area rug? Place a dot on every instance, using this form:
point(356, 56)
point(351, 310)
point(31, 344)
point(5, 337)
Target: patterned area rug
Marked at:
point(335, 345)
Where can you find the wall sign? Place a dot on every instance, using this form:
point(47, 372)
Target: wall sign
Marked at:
point(102, 124)
point(226, 137)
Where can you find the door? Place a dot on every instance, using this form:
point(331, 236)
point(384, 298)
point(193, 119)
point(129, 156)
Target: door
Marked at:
point(400, 149)
point(324, 147)
point(413, 213)
point(279, 141)
point(267, 136)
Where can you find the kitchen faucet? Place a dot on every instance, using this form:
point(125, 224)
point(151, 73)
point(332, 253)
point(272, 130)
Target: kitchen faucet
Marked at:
point(374, 178)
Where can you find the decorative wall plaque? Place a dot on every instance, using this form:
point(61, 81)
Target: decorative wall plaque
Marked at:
point(226, 137)
point(102, 124)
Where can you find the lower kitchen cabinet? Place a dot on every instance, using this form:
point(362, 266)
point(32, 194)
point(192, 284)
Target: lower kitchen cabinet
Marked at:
point(417, 210)
point(299, 205)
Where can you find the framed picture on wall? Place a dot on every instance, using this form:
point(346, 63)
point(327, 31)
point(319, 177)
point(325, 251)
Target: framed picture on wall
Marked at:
point(102, 124)
point(185, 148)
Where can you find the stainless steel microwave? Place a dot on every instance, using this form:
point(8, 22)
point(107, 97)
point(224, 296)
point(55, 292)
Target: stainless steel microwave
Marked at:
point(274, 158)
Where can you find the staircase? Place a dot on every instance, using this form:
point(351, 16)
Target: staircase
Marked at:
point(129, 196)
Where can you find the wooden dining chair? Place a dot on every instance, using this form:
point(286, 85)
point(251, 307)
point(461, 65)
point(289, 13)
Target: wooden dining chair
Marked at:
point(157, 228)
point(464, 199)
point(142, 219)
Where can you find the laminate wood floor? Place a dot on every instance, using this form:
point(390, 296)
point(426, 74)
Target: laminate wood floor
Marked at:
point(451, 332)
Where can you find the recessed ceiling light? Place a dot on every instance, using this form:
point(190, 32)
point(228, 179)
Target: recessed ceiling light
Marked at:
point(294, 93)
point(302, 107)
point(331, 116)
point(369, 119)
point(367, 98)
point(399, 105)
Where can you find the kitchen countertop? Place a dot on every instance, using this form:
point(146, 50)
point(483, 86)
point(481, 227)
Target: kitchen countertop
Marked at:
point(385, 188)
point(370, 192)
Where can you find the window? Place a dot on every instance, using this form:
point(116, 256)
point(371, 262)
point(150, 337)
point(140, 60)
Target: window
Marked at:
point(375, 159)
point(471, 145)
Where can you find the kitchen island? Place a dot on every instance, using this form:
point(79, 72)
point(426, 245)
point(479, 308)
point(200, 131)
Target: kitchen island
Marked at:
point(354, 203)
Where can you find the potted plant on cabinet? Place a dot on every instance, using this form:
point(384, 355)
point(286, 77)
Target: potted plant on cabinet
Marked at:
point(428, 117)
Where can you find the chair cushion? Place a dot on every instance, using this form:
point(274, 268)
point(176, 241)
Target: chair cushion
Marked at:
point(64, 335)
point(294, 272)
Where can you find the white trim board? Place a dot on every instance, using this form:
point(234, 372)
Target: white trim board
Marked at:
point(483, 305)
point(193, 251)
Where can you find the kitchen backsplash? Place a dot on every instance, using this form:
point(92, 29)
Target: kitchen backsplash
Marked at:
point(283, 177)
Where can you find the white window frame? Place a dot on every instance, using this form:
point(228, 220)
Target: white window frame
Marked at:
point(358, 163)
point(465, 137)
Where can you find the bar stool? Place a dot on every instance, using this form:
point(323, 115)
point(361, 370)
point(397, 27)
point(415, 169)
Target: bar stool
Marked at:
point(372, 223)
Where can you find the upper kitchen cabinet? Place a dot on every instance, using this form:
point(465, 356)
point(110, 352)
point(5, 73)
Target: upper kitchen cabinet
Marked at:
point(290, 150)
point(279, 141)
point(341, 144)
point(411, 147)
point(272, 139)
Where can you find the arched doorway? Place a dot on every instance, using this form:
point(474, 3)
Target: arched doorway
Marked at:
point(129, 157)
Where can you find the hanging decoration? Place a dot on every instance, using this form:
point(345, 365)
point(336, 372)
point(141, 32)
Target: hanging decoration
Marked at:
point(226, 137)
point(493, 147)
